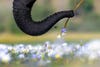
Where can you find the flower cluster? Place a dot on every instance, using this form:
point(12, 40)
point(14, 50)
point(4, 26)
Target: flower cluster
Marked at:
point(48, 51)
point(90, 50)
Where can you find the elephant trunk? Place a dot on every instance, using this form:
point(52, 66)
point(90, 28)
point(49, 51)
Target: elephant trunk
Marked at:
point(22, 14)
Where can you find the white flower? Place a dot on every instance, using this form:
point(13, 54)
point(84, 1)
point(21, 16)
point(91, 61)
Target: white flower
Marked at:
point(30, 47)
point(21, 56)
point(77, 46)
point(59, 36)
point(65, 44)
point(10, 48)
point(6, 58)
point(94, 45)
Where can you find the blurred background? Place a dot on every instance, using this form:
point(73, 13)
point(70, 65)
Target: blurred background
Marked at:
point(86, 25)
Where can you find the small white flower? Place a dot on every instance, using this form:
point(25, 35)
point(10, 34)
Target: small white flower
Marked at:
point(64, 44)
point(21, 56)
point(6, 58)
point(59, 36)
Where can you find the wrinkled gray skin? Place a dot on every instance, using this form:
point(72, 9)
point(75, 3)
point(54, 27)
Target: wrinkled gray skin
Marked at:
point(22, 14)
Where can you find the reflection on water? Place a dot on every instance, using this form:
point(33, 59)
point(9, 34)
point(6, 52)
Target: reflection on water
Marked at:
point(49, 54)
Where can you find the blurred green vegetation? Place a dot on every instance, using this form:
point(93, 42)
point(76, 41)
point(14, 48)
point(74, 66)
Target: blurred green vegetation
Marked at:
point(86, 7)
point(89, 20)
